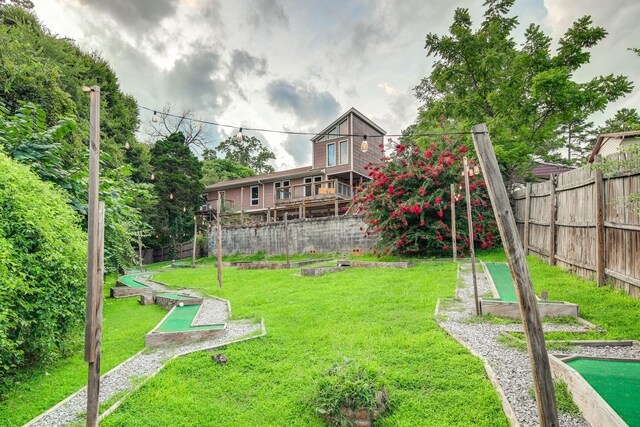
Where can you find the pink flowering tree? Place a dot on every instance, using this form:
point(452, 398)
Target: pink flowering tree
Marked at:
point(406, 204)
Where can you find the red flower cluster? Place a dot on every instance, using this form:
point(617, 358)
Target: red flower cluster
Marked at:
point(407, 202)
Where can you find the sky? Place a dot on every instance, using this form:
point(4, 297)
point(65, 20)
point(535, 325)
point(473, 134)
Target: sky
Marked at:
point(298, 65)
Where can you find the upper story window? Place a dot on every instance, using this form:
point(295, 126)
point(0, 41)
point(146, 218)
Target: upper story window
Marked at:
point(337, 155)
point(255, 199)
point(331, 154)
point(341, 129)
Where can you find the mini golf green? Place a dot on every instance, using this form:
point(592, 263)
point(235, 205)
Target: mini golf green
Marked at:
point(618, 382)
point(173, 296)
point(180, 320)
point(130, 281)
point(501, 275)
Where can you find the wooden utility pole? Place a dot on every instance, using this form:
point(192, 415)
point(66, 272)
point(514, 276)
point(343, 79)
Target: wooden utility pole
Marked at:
point(140, 249)
point(286, 237)
point(541, 370)
point(472, 250)
point(95, 264)
point(195, 240)
point(454, 243)
point(219, 227)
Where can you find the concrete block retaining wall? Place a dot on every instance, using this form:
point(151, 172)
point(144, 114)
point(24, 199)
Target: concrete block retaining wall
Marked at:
point(330, 234)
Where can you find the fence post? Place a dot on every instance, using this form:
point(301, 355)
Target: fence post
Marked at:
point(527, 210)
point(553, 210)
point(600, 235)
point(540, 367)
point(454, 243)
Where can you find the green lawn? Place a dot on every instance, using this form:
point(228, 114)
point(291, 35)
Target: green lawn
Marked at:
point(123, 336)
point(608, 308)
point(384, 316)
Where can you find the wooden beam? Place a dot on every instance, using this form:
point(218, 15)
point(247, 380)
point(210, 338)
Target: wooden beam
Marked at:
point(219, 232)
point(541, 370)
point(454, 243)
point(195, 238)
point(600, 235)
point(93, 380)
point(527, 214)
point(553, 212)
point(471, 245)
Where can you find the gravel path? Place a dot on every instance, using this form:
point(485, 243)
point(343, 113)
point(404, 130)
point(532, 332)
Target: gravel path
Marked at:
point(511, 366)
point(127, 375)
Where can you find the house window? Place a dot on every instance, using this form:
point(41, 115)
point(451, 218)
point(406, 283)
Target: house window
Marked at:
point(254, 196)
point(344, 153)
point(282, 194)
point(331, 154)
point(311, 189)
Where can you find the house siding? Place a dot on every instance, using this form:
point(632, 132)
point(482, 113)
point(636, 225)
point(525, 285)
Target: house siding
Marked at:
point(374, 138)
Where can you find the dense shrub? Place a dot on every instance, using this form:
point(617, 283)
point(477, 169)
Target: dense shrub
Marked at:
point(407, 202)
point(42, 269)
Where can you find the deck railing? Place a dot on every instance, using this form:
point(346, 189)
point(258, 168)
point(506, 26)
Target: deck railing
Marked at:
point(314, 191)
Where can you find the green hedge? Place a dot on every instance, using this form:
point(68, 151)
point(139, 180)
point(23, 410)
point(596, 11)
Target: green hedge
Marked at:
point(42, 269)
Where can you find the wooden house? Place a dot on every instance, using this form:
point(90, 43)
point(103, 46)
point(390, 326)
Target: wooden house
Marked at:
point(609, 143)
point(322, 189)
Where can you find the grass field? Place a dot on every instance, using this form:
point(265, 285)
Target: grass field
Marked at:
point(123, 336)
point(608, 308)
point(383, 316)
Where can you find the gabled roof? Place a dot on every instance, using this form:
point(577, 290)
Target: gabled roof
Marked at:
point(342, 117)
point(266, 177)
point(606, 136)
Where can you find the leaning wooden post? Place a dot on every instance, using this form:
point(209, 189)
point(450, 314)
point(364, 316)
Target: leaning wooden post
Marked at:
point(140, 249)
point(527, 213)
point(471, 245)
point(541, 370)
point(454, 243)
point(95, 231)
point(219, 227)
point(195, 241)
point(553, 204)
point(286, 237)
point(600, 234)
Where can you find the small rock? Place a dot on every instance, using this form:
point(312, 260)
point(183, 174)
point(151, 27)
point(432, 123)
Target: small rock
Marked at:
point(220, 358)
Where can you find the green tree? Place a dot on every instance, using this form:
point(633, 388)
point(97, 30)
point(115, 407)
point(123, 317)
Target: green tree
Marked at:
point(623, 120)
point(178, 188)
point(42, 269)
point(217, 170)
point(523, 93)
point(249, 152)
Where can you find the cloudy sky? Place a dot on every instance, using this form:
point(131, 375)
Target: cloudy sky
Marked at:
point(297, 65)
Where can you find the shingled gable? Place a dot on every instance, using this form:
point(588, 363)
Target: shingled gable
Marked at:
point(344, 116)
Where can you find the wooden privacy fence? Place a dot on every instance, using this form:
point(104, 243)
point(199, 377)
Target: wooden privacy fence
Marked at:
point(151, 255)
point(579, 220)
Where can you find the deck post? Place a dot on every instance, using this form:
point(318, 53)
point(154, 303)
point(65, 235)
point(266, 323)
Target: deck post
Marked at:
point(472, 250)
point(540, 366)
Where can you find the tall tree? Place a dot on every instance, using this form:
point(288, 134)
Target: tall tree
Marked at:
point(166, 122)
point(178, 188)
point(523, 93)
point(217, 170)
point(624, 119)
point(249, 151)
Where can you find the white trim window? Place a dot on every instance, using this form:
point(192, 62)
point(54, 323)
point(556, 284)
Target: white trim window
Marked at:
point(283, 194)
point(255, 196)
point(344, 153)
point(331, 154)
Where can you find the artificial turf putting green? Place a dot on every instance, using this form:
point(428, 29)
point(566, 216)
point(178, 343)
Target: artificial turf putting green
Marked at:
point(130, 281)
point(173, 296)
point(180, 320)
point(618, 382)
point(501, 276)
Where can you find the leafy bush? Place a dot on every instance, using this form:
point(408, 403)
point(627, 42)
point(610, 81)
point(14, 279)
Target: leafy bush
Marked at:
point(407, 202)
point(347, 388)
point(42, 269)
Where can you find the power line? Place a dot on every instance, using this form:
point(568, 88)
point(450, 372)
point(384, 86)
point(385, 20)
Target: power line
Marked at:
point(288, 132)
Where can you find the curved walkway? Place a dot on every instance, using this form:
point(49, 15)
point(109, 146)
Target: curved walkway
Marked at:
point(137, 370)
